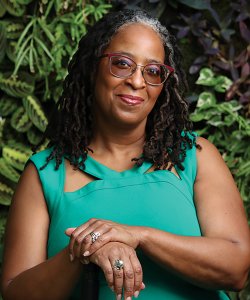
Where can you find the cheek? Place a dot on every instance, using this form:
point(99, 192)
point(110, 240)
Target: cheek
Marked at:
point(155, 92)
point(105, 84)
point(101, 87)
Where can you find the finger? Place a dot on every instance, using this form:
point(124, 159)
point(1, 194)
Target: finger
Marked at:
point(98, 230)
point(138, 274)
point(72, 242)
point(104, 264)
point(129, 278)
point(117, 279)
point(74, 235)
point(68, 231)
point(81, 244)
point(83, 241)
point(143, 286)
point(103, 239)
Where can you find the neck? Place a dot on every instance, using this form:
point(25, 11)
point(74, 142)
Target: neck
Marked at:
point(116, 142)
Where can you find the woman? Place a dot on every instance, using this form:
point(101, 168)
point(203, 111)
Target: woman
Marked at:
point(125, 184)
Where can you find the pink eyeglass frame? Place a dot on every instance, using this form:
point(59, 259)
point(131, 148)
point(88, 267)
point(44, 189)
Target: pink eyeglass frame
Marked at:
point(109, 55)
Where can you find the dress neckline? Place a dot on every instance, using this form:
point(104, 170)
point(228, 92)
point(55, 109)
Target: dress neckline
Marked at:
point(99, 170)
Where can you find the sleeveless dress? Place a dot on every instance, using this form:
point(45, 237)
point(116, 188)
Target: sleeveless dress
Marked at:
point(157, 199)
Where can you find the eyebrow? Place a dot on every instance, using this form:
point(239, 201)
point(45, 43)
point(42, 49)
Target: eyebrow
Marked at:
point(148, 60)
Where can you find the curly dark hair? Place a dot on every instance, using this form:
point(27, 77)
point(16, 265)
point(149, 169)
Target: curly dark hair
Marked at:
point(168, 128)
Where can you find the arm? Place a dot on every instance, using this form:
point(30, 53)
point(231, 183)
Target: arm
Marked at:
point(219, 259)
point(26, 273)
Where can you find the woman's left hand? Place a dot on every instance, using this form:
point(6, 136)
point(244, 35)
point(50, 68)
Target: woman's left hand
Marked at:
point(82, 238)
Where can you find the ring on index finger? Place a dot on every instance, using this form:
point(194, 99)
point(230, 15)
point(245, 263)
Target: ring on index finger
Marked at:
point(94, 236)
point(118, 264)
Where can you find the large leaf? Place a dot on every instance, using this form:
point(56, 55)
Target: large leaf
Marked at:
point(13, 29)
point(8, 105)
point(14, 8)
point(206, 77)
point(8, 171)
point(6, 194)
point(206, 100)
point(16, 86)
point(222, 84)
point(20, 120)
point(35, 112)
point(16, 155)
point(34, 136)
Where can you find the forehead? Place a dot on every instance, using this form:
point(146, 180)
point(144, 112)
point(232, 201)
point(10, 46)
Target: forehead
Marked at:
point(139, 40)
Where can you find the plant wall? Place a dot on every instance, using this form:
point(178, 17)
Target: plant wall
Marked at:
point(37, 39)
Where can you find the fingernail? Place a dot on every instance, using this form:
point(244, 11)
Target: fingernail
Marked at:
point(86, 253)
point(136, 294)
point(118, 297)
point(129, 298)
point(71, 257)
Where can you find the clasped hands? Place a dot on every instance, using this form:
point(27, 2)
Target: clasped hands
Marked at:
point(111, 242)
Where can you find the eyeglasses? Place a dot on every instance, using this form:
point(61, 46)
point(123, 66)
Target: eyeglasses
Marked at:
point(122, 66)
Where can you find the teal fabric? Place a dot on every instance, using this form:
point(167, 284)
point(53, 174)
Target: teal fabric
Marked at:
point(156, 199)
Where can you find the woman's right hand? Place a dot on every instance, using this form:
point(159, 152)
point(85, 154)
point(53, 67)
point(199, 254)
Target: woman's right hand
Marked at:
point(128, 279)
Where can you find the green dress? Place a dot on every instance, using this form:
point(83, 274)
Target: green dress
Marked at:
point(156, 199)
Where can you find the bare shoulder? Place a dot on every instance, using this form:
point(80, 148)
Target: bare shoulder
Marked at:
point(29, 182)
point(28, 202)
point(219, 205)
point(212, 172)
point(207, 148)
point(210, 161)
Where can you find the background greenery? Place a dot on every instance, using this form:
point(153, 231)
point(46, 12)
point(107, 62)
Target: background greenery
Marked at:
point(37, 38)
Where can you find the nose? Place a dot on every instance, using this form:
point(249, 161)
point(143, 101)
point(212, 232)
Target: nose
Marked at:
point(136, 80)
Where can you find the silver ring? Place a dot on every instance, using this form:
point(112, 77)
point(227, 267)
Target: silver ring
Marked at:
point(118, 264)
point(94, 236)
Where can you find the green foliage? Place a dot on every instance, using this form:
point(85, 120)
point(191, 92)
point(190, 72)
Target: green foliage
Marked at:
point(37, 39)
point(35, 112)
point(223, 125)
point(219, 83)
point(6, 194)
point(8, 105)
point(8, 171)
point(16, 86)
point(16, 155)
point(20, 120)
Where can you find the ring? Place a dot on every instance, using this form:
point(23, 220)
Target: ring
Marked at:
point(94, 236)
point(118, 265)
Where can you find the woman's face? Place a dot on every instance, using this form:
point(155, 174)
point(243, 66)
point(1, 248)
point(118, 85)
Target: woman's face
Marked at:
point(128, 101)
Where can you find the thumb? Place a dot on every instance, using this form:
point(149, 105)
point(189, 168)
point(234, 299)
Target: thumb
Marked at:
point(69, 231)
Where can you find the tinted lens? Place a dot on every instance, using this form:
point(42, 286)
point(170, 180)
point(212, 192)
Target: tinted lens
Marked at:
point(121, 66)
point(155, 73)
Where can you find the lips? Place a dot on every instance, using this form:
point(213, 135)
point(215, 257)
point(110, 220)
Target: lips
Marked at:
point(130, 99)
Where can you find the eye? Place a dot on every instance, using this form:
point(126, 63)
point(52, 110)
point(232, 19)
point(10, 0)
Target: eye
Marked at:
point(121, 62)
point(153, 70)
